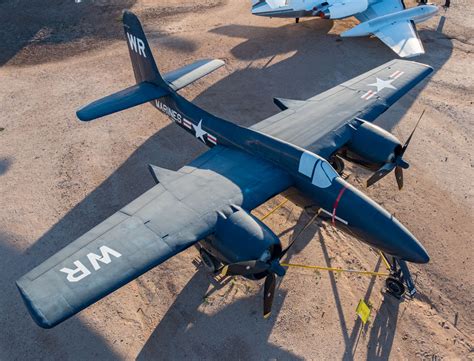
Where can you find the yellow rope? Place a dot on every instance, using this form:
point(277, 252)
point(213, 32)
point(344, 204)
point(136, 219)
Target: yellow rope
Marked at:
point(387, 265)
point(274, 209)
point(332, 269)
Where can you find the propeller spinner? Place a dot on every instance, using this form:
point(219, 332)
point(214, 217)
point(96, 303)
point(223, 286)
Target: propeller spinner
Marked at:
point(397, 163)
point(252, 267)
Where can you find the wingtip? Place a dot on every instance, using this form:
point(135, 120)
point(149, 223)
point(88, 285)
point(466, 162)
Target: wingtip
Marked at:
point(35, 313)
point(82, 116)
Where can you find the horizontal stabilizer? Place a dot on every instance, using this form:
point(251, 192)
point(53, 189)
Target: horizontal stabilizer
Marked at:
point(184, 76)
point(163, 175)
point(285, 104)
point(124, 99)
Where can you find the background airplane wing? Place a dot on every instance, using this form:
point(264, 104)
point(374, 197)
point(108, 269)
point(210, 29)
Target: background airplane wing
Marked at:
point(380, 8)
point(402, 38)
point(170, 217)
point(326, 122)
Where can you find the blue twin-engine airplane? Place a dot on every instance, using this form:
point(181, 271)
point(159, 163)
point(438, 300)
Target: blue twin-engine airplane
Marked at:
point(207, 203)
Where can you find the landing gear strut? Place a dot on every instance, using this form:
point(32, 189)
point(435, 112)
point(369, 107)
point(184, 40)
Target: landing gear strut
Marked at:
point(400, 279)
point(210, 262)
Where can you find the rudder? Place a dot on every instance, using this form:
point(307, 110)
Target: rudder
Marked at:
point(143, 63)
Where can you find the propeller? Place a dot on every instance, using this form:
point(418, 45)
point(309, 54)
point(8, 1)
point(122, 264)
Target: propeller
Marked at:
point(397, 163)
point(272, 266)
point(273, 269)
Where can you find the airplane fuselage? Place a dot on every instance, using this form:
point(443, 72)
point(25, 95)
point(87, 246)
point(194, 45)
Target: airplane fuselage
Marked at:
point(345, 206)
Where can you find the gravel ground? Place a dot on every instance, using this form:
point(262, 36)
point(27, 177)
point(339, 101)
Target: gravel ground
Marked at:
point(60, 177)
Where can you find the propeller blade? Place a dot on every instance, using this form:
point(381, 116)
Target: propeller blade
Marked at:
point(405, 146)
point(382, 172)
point(269, 292)
point(399, 177)
point(282, 254)
point(244, 268)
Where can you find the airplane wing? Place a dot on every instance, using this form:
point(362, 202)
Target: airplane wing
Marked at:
point(380, 8)
point(402, 38)
point(326, 122)
point(170, 217)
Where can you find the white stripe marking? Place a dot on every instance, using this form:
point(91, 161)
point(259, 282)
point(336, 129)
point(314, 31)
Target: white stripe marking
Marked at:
point(394, 74)
point(331, 215)
point(371, 95)
point(212, 139)
point(187, 124)
point(368, 95)
point(399, 75)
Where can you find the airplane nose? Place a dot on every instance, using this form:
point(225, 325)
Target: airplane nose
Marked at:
point(404, 244)
point(377, 227)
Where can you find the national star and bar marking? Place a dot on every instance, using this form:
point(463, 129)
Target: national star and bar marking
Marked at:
point(382, 84)
point(199, 133)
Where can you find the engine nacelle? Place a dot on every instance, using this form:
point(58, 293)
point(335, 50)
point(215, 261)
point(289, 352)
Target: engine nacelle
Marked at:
point(372, 146)
point(344, 8)
point(242, 237)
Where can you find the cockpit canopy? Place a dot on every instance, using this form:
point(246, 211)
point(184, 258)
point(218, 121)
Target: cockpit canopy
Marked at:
point(318, 169)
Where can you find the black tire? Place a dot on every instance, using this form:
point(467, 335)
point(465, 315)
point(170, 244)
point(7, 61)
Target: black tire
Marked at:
point(209, 261)
point(395, 287)
point(338, 164)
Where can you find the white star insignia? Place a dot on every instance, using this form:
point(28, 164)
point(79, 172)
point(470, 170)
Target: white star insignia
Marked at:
point(382, 84)
point(199, 132)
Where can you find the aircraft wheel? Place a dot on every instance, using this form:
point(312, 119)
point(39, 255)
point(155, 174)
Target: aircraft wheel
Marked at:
point(394, 287)
point(338, 164)
point(209, 261)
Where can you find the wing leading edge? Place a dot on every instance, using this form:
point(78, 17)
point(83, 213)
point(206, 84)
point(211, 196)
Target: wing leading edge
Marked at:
point(162, 222)
point(326, 121)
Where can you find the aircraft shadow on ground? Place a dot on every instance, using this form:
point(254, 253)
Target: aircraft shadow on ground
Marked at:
point(40, 24)
point(237, 331)
point(227, 97)
point(53, 30)
point(5, 164)
point(382, 331)
point(20, 338)
point(315, 54)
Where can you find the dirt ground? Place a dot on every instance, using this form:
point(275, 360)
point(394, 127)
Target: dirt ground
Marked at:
point(60, 177)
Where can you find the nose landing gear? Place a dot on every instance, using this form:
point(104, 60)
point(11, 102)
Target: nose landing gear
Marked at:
point(400, 281)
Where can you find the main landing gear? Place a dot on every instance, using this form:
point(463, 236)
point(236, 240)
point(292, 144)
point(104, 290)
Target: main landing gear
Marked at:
point(209, 261)
point(400, 281)
point(337, 163)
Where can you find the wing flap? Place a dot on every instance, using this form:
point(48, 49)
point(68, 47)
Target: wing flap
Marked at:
point(402, 38)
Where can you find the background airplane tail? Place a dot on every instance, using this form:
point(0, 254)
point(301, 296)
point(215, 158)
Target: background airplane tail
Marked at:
point(150, 84)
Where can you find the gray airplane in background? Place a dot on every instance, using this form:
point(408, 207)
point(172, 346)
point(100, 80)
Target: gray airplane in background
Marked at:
point(388, 20)
point(207, 203)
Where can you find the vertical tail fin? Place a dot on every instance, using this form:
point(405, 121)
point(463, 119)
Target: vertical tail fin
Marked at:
point(144, 66)
point(150, 84)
